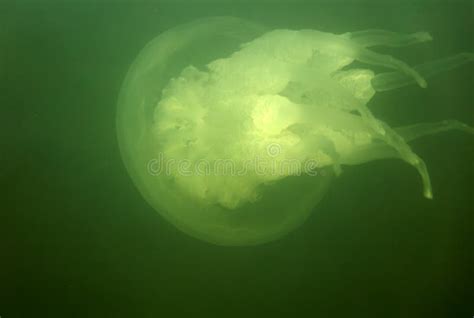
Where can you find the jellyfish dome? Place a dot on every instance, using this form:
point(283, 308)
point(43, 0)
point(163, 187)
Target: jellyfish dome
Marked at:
point(233, 132)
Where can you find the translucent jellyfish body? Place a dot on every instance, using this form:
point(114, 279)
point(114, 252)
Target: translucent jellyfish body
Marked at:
point(233, 132)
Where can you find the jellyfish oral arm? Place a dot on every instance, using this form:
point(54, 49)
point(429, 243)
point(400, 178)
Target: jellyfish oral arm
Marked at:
point(375, 37)
point(377, 150)
point(392, 80)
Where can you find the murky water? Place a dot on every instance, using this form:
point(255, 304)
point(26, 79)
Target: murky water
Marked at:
point(78, 240)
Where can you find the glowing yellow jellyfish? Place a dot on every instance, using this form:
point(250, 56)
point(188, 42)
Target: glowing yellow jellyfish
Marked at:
point(233, 132)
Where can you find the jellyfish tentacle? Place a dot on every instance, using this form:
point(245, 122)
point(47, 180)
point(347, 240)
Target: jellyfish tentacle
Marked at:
point(377, 37)
point(420, 165)
point(412, 132)
point(371, 57)
point(394, 145)
point(369, 118)
point(398, 138)
point(381, 150)
point(390, 147)
point(393, 139)
point(392, 80)
point(376, 150)
point(399, 148)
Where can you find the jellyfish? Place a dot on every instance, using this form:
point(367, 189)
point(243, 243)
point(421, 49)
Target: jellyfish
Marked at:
point(233, 132)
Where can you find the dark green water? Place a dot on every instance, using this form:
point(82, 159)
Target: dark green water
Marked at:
point(78, 240)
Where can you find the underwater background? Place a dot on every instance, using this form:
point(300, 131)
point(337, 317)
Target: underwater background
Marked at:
point(78, 240)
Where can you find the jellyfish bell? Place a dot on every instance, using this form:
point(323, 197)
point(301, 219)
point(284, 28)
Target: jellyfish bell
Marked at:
point(234, 132)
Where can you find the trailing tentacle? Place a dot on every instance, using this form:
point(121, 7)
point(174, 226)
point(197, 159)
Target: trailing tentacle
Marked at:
point(370, 57)
point(375, 37)
point(392, 80)
point(412, 132)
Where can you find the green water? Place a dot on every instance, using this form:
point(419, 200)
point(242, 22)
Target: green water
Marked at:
point(78, 240)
